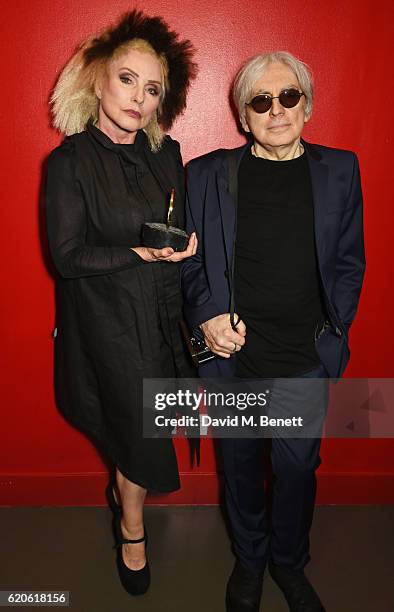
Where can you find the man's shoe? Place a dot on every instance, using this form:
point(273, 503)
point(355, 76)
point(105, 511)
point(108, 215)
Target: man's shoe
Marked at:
point(298, 591)
point(243, 590)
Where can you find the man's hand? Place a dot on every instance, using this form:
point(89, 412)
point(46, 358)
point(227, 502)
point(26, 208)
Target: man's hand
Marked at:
point(167, 254)
point(221, 338)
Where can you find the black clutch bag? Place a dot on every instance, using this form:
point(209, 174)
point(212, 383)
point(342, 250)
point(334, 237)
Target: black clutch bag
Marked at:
point(199, 352)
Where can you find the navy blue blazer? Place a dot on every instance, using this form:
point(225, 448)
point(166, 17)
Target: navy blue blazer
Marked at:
point(338, 226)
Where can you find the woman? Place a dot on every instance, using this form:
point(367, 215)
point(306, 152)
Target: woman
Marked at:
point(283, 246)
point(118, 302)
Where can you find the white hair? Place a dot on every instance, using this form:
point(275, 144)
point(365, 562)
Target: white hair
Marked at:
point(255, 67)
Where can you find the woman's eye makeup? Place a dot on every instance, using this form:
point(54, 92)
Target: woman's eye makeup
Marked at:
point(129, 79)
point(126, 78)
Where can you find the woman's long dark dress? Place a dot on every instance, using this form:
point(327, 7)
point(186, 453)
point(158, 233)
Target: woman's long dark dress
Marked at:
point(117, 315)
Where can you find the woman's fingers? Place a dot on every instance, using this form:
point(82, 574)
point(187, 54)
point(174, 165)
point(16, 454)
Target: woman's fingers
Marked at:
point(164, 253)
point(168, 253)
point(188, 252)
point(150, 254)
point(195, 245)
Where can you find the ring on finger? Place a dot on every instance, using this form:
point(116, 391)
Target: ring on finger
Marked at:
point(235, 347)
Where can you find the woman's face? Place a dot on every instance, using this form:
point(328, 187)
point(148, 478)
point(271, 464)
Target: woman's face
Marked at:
point(279, 126)
point(129, 94)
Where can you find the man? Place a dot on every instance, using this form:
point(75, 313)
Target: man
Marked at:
point(279, 224)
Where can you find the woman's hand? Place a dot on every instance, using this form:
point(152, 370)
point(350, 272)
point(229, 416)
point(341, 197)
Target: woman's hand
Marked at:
point(167, 254)
point(220, 336)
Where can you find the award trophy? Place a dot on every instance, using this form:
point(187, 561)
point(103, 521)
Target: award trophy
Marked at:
point(160, 235)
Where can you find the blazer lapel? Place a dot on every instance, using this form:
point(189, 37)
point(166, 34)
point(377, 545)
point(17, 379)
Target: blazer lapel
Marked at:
point(319, 173)
point(227, 186)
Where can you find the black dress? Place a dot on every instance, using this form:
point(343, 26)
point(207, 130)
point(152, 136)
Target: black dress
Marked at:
point(116, 315)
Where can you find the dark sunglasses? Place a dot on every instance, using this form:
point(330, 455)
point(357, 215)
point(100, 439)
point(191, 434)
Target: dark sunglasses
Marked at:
point(263, 102)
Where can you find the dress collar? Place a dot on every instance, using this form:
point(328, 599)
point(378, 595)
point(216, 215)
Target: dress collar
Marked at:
point(130, 152)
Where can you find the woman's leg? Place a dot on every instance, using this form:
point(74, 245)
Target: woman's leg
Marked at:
point(132, 498)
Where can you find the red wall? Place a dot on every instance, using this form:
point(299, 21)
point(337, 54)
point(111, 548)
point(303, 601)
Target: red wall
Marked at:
point(348, 45)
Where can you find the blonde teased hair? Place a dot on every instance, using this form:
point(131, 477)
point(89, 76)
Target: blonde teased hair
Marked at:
point(74, 101)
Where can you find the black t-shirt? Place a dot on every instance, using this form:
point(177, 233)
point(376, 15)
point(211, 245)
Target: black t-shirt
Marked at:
point(277, 287)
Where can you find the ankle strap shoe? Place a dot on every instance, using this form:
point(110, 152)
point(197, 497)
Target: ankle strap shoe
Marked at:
point(135, 582)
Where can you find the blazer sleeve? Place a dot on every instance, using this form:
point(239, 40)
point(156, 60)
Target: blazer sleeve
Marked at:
point(350, 262)
point(67, 225)
point(199, 305)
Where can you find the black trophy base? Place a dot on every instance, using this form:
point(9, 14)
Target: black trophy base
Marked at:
point(159, 235)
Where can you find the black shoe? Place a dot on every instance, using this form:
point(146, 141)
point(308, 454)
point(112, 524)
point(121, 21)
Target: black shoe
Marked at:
point(298, 591)
point(135, 582)
point(244, 590)
point(110, 495)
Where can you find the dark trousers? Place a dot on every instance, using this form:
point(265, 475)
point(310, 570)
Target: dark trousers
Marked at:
point(294, 460)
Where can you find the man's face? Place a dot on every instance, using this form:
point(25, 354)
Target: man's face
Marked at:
point(279, 126)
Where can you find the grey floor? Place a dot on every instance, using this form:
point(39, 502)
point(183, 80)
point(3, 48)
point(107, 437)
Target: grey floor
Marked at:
point(352, 563)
